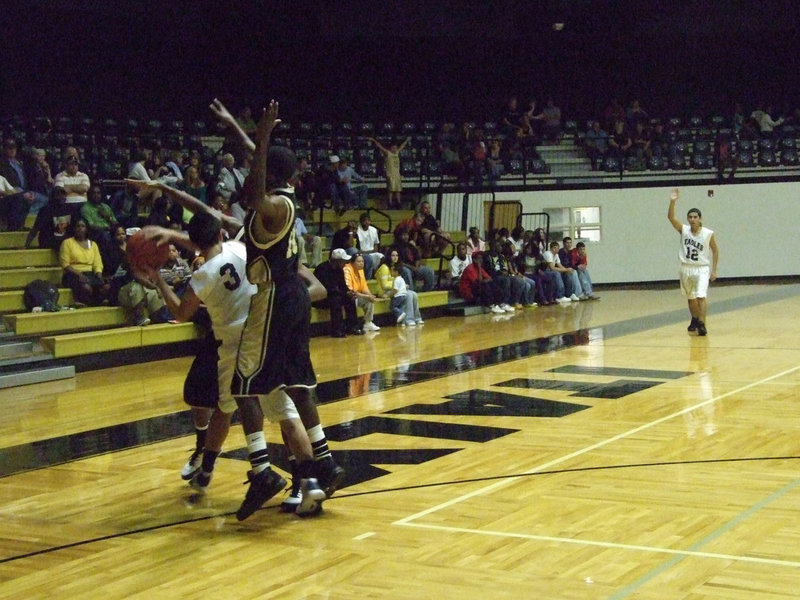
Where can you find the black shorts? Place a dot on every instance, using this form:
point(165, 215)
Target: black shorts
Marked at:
point(201, 387)
point(274, 348)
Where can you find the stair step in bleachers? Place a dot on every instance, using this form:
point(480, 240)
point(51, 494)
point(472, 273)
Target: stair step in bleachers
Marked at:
point(50, 322)
point(12, 239)
point(15, 259)
point(16, 279)
point(123, 338)
point(34, 375)
point(12, 301)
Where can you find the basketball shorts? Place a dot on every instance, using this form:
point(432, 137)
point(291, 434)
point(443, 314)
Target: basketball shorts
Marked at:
point(694, 281)
point(274, 347)
point(201, 387)
point(278, 406)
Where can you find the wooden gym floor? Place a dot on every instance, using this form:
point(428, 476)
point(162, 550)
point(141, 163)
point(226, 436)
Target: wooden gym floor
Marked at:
point(578, 452)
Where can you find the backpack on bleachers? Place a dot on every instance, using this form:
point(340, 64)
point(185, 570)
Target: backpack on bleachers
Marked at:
point(41, 294)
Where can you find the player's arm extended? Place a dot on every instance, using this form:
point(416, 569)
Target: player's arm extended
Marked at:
point(673, 198)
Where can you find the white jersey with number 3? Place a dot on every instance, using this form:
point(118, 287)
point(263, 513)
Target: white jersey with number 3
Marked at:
point(695, 250)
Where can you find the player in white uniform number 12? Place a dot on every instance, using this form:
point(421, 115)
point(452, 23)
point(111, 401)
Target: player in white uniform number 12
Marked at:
point(698, 255)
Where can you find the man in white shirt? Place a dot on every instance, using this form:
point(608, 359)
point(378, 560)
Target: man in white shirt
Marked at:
point(230, 179)
point(458, 263)
point(74, 182)
point(368, 243)
point(554, 273)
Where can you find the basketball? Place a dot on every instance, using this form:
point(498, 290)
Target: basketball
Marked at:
point(142, 251)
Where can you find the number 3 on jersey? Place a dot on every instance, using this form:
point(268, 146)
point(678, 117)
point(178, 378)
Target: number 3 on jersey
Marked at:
point(231, 279)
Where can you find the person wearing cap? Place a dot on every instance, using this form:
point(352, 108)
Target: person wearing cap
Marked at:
point(74, 182)
point(331, 275)
point(336, 189)
point(352, 194)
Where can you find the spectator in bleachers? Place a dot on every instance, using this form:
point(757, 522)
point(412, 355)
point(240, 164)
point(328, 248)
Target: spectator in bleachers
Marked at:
point(194, 185)
point(431, 240)
point(551, 118)
point(410, 257)
point(17, 198)
point(391, 166)
point(331, 275)
point(517, 239)
point(115, 264)
point(478, 287)
point(528, 296)
point(125, 204)
point(554, 272)
point(369, 242)
point(305, 185)
point(176, 272)
point(724, 157)
point(458, 263)
point(404, 301)
point(452, 165)
point(354, 190)
point(137, 170)
point(495, 161)
point(596, 144)
point(307, 240)
point(613, 112)
point(166, 213)
point(580, 262)
point(333, 189)
point(738, 119)
point(619, 143)
point(497, 266)
point(474, 242)
point(635, 114)
point(345, 238)
point(40, 179)
point(99, 217)
point(658, 139)
point(572, 282)
point(175, 166)
point(54, 222)
point(531, 263)
point(477, 158)
point(83, 267)
point(512, 118)
point(539, 237)
point(230, 180)
point(75, 182)
point(640, 143)
point(765, 122)
point(357, 283)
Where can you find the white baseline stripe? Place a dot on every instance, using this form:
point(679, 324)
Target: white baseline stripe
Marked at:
point(611, 440)
point(546, 538)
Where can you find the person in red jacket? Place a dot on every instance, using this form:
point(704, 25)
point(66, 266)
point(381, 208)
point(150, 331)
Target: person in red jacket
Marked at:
point(476, 286)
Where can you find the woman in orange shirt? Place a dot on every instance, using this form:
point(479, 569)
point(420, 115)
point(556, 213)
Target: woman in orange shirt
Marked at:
point(357, 283)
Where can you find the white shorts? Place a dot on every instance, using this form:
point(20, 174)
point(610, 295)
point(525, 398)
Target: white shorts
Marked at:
point(694, 281)
point(226, 365)
point(278, 406)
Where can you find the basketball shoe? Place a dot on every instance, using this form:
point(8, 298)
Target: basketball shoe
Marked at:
point(263, 486)
point(311, 498)
point(292, 501)
point(200, 482)
point(329, 475)
point(693, 325)
point(701, 328)
point(192, 467)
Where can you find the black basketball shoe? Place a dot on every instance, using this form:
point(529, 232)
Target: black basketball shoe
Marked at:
point(263, 486)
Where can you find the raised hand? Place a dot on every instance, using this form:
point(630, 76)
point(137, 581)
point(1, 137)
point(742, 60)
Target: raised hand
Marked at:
point(222, 113)
point(268, 121)
point(674, 195)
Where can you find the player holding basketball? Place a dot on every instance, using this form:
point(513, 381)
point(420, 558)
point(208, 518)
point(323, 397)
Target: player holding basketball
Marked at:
point(698, 256)
point(221, 285)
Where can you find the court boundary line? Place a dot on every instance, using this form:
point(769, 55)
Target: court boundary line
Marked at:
point(409, 520)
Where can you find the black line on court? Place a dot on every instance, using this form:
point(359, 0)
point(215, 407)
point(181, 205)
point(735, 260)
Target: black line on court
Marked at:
point(402, 489)
point(59, 450)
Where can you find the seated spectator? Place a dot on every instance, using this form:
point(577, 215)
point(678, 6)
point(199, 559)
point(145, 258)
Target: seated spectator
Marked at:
point(554, 271)
point(596, 144)
point(175, 166)
point(528, 295)
point(143, 302)
point(404, 302)
point(345, 238)
point(659, 143)
point(478, 287)
point(306, 239)
point(176, 272)
point(531, 264)
point(539, 238)
point(330, 188)
point(115, 264)
point(580, 263)
point(474, 242)
point(357, 284)
point(83, 267)
point(54, 221)
point(640, 140)
point(551, 117)
point(136, 169)
point(222, 205)
point(452, 164)
point(410, 257)
point(125, 204)
point(368, 243)
point(619, 143)
point(16, 198)
point(356, 195)
point(75, 182)
point(230, 180)
point(194, 185)
point(635, 114)
point(431, 240)
point(516, 238)
point(305, 185)
point(40, 180)
point(458, 263)
point(497, 266)
point(99, 217)
point(495, 163)
point(571, 280)
point(383, 274)
point(166, 213)
point(331, 275)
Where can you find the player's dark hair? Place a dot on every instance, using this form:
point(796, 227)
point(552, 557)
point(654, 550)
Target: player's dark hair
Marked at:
point(694, 210)
point(204, 229)
point(281, 164)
